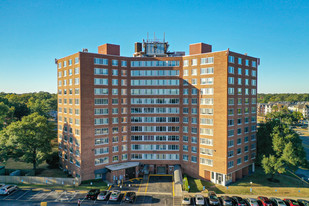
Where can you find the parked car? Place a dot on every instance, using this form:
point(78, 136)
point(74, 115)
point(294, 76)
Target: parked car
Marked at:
point(104, 195)
point(302, 202)
point(1, 185)
point(265, 201)
point(186, 200)
point(8, 189)
point(239, 201)
point(291, 202)
point(226, 201)
point(199, 200)
point(213, 199)
point(115, 195)
point(93, 194)
point(130, 197)
point(252, 201)
point(277, 201)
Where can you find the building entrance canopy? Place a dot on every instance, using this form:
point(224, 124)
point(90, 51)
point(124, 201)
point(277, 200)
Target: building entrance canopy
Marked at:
point(121, 166)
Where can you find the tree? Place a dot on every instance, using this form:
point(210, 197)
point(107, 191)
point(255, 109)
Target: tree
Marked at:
point(31, 139)
point(272, 165)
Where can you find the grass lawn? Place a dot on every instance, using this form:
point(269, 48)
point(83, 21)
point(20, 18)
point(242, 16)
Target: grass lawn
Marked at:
point(43, 170)
point(196, 185)
point(288, 186)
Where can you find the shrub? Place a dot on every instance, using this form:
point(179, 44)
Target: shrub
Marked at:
point(185, 185)
point(53, 160)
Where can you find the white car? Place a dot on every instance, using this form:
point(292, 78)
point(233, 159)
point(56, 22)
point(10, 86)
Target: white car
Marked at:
point(252, 201)
point(8, 189)
point(115, 195)
point(199, 200)
point(186, 200)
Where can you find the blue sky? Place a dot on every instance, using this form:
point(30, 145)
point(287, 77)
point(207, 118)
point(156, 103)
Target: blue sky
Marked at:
point(33, 33)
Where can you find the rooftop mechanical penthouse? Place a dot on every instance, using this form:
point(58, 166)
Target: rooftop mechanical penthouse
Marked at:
point(122, 117)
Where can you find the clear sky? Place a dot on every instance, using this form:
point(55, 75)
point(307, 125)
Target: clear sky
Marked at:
point(34, 33)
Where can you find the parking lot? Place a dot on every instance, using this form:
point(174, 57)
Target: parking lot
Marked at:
point(156, 190)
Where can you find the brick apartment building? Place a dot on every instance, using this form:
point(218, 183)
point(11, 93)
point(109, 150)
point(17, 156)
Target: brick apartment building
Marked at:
point(120, 117)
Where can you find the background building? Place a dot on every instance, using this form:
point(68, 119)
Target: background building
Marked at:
point(120, 117)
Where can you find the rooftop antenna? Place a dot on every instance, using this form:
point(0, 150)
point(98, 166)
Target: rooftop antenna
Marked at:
point(154, 36)
point(163, 37)
point(147, 36)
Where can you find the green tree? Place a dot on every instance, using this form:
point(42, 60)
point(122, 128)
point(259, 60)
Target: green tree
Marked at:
point(272, 165)
point(31, 139)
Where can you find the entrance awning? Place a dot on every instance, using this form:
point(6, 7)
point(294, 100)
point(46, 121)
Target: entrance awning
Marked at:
point(100, 171)
point(121, 166)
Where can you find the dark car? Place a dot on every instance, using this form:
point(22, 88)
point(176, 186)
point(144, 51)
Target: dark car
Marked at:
point(291, 202)
point(226, 201)
point(213, 199)
point(265, 201)
point(239, 201)
point(303, 202)
point(93, 194)
point(130, 197)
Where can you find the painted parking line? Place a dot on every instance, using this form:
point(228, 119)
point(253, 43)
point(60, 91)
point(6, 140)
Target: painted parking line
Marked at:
point(75, 193)
point(9, 195)
point(23, 194)
point(48, 194)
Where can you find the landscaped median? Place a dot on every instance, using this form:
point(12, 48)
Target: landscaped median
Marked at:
point(287, 187)
point(85, 185)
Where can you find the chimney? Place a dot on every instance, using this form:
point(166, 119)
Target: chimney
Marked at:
point(138, 47)
point(200, 48)
point(111, 49)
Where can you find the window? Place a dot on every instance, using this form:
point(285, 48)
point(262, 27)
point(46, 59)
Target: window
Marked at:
point(231, 91)
point(208, 60)
point(230, 133)
point(194, 62)
point(230, 153)
point(194, 149)
point(193, 159)
point(114, 62)
point(100, 61)
point(231, 70)
point(123, 63)
point(194, 72)
point(247, 72)
point(209, 70)
point(207, 101)
point(194, 81)
point(205, 81)
point(238, 161)
point(239, 60)
point(254, 64)
point(231, 101)
point(253, 82)
point(185, 148)
point(247, 62)
point(76, 60)
point(64, 63)
point(185, 63)
point(239, 81)
point(230, 164)
point(76, 81)
point(76, 70)
point(231, 59)
point(101, 91)
point(100, 81)
point(230, 122)
point(115, 72)
point(70, 72)
point(230, 143)
point(231, 80)
point(239, 71)
point(185, 72)
point(239, 101)
point(205, 161)
point(99, 71)
point(114, 82)
point(207, 91)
